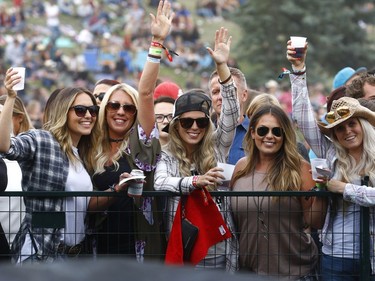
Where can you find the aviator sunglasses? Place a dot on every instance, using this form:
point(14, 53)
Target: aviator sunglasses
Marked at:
point(263, 131)
point(115, 106)
point(100, 96)
point(338, 113)
point(202, 122)
point(80, 110)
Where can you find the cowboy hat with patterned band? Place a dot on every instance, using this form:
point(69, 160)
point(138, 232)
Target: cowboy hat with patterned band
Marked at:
point(343, 109)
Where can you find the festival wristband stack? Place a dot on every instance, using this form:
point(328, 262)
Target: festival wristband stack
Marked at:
point(167, 52)
point(195, 181)
point(154, 54)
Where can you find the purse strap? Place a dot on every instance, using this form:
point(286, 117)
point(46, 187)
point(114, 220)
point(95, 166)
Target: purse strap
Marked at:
point(183, 199)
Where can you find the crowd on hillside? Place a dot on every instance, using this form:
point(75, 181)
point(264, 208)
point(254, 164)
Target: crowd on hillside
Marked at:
point(111, 124)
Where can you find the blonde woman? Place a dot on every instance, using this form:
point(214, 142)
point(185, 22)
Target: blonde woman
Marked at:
point(189, 160)
point(53, 160)
point(12, 208)
point(347, 142)
point(272, 235)
point(130, 140)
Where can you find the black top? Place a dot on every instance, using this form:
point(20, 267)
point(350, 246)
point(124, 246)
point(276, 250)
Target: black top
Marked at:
point(116, 232)
point(3, 175)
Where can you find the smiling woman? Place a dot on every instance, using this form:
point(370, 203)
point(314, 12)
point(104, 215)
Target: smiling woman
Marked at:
point(52, 160)
point(268, 234)
point(188, 167)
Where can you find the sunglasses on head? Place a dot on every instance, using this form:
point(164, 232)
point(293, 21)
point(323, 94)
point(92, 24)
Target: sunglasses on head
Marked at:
point(115, 106)
point(186, 123)
point(160, 117)
point(341, 112)
point(100, 96)
point(263, 131)
point(80, 110)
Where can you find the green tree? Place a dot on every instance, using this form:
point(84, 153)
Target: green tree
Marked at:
point(337, 32)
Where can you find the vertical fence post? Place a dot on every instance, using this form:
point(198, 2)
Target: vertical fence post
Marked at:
point(365, 244)
point(365, 238)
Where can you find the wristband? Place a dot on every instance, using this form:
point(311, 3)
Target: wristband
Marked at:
point(195, 181)
point(155, 51)
point(153, 60)
point(113, 188)
point(226, 80)
point(167, 52)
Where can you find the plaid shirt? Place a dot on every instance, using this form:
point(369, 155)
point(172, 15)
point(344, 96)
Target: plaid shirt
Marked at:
point(44, 168)
point(324, 148)
point(167, 174)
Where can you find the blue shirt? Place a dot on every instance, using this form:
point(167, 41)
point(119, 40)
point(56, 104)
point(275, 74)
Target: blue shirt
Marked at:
point(236, 151)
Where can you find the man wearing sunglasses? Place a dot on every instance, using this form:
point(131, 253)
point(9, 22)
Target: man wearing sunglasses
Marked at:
point(101, 87)
point(236, 151)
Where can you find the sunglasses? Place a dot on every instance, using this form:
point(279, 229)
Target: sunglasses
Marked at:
point(340, 112)
point(263, 131)
point(115, 106)
point(80, 110)
point(100, 96)
point(160, 117)
point(186, 123)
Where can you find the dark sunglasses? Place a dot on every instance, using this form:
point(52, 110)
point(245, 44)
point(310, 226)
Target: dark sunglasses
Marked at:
point(100, 96)
point(263, 131)
point(80, 110)
point(186, 123)
point(160, 117)
point(115, 106)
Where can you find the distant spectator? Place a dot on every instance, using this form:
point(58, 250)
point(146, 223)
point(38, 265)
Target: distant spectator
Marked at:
point(52, 17)
point(362, 87)
point(345, 76)
point(168, 89)
point(101, 88)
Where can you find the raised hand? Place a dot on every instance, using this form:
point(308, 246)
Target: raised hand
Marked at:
point(221, 51)
point(11, 79)
point(162, 22)
point(298, 63)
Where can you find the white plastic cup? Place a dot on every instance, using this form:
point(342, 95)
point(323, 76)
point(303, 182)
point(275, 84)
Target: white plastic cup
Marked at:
point(228, 170)
point(21, 72)
point(298, 43)
point(318, 162)
point(227, 173)
point(135, 188)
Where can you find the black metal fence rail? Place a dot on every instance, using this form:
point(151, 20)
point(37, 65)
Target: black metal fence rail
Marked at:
point(365, 234)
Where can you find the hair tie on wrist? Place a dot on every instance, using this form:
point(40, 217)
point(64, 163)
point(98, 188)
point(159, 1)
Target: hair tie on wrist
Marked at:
point(226, 80)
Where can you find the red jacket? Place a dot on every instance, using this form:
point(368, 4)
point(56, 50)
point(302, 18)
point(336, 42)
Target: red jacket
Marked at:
point(201, 211)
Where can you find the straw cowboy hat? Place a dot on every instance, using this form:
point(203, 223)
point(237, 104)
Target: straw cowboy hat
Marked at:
point(343, 109)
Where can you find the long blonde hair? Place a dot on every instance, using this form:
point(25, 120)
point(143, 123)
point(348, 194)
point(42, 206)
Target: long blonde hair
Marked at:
point(285, 171)
point(58, 126)
point(104, 155)
point(203, 158)
point(20, 109)
point(347, 167)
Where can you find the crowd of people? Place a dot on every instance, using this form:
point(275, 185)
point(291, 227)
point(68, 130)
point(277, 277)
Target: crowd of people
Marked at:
point(91, 141)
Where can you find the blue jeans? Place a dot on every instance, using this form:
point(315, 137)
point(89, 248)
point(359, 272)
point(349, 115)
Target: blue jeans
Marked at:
point(339, 269)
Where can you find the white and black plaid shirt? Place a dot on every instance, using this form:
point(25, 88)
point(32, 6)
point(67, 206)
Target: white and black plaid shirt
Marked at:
point(167, 174)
